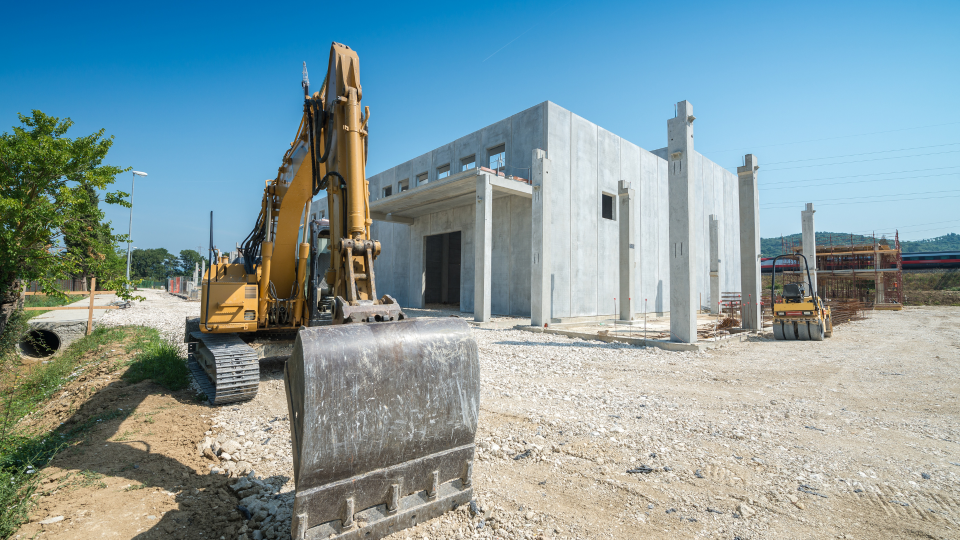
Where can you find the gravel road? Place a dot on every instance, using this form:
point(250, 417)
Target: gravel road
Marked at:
point(853, 437)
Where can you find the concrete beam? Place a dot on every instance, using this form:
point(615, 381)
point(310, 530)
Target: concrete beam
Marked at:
point(809, 242)
point(749, 240)
point(512, 187)
point(540, 298)
point(483, 250)
point(714, 264)
point(390, 218)
point(681, 189)
point(628, 257)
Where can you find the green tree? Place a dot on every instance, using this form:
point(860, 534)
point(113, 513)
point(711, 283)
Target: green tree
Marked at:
point(156, 263)
point(189, 258)
point(87, 237)
point(45, 178)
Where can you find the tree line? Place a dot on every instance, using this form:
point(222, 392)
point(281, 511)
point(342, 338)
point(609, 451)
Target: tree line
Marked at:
point(158, 263)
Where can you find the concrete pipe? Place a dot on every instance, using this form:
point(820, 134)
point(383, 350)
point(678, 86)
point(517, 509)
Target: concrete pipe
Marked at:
point(40, 343)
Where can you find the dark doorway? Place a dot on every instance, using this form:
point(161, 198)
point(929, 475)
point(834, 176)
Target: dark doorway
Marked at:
point(442, 269)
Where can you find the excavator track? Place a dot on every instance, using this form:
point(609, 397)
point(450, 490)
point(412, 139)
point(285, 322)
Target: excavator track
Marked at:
point(225, 368)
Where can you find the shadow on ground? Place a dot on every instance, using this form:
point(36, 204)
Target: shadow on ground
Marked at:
point(133, 470)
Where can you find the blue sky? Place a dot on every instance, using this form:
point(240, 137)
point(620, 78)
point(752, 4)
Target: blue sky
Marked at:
point(852, 106)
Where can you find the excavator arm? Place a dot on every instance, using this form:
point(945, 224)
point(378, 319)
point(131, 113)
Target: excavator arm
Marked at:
point(338, 133)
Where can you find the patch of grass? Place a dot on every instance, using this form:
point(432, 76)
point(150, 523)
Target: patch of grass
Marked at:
point(83, 479)
point(45, 379)
point(23, 455)
point(126, 435)
point(134, 488)
point(43, 300)
point(161, 362)
point(16, 497)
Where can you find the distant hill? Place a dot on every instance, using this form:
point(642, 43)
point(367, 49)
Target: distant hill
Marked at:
point(771, 247)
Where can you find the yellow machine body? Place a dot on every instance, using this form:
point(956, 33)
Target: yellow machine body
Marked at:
point(798, 313)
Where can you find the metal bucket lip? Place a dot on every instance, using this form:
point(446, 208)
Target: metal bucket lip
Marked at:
point(380, 394)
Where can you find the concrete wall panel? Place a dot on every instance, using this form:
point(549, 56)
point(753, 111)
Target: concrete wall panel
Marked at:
point(558, 150)
point(527, 130)
point(467, 146)
point(649, 230)
point(585, 202)
point(500, 291)
point(445, 155)
point(698, 234)
point(662, 302)
point(607, 263)
point(521, 216)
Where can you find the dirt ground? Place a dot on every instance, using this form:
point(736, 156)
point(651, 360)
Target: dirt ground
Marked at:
point(853, 437)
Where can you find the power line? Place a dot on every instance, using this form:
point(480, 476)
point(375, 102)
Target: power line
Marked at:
point(856, 182)
point(865, 160)
point(862, 154)
point(856, 176)
point(834, 138)
point(918, 225)
point(876, 202)
point(876, 196)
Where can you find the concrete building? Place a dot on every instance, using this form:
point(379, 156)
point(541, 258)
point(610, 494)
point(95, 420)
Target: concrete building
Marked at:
point(532, 203)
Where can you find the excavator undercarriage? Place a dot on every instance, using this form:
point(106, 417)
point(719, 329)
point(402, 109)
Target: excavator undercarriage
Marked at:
point(383, 409)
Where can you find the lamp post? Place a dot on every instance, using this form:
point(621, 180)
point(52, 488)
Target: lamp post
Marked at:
point(130, 229)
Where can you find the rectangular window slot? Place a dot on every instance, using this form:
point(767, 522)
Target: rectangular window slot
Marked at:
point(468, 163)
point(443, 171)
point(421, 178)
point(498, 157)
point(606, 206)
point(403, 185)
point(388, 191)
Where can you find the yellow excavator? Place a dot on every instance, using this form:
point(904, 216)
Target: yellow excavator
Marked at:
point(383, 409)
point(799, 314)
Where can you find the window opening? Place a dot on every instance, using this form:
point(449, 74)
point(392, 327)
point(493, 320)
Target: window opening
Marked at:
point(498, 157)
point(421, 178)
point(443, 171)
point(388, 191)
point(403, 185)
point(606, 206)
point(468, 163)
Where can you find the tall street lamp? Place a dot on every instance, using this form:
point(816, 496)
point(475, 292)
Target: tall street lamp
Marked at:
point(130, 230)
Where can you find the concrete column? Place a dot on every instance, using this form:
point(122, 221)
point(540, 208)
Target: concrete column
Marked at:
point(540, 298)
point(628, 252)
point(750, 240)
point(483, 254)
point(714, 263)
point(809, 242)
point(680, 179)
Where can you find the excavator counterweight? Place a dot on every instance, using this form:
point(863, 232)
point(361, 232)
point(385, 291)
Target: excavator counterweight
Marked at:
point(383, 409)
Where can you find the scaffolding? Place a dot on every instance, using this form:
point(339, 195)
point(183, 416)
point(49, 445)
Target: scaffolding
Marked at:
point(861, 269)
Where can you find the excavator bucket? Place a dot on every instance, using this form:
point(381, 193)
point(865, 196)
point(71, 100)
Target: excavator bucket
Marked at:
point(383, 418)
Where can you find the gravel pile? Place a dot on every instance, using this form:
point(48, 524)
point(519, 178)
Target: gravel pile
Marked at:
point(160, 310)
point(853, 437)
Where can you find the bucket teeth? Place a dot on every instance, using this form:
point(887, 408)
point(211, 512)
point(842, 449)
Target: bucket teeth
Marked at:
point(236, 371)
